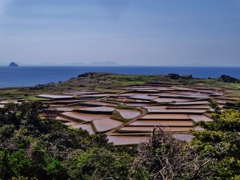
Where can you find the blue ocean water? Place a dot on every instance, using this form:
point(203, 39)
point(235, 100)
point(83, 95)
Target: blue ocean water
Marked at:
point(31, 76)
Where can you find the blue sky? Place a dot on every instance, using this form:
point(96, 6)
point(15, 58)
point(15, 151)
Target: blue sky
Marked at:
point(129, 32)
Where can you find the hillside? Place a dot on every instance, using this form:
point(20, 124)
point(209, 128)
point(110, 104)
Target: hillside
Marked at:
point(111, 126)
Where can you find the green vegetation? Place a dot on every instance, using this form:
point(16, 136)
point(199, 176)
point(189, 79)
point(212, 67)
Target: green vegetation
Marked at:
point(107, 82)
point(117, 116)
point(124, 106)
point(220, 140)
point(46, 149)
point(32, 147)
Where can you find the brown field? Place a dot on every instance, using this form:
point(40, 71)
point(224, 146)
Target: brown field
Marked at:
point(149, 129)
point(174, 108)
point(87, 127)
point(166, 116)
point(167, 123)
point(100, 109)
point(170, 100)
point(197, 118)
point(126, 140)
point(83, 117)
point(128, 113)
point(183, 137)
point(104, 125)
point(189, 107)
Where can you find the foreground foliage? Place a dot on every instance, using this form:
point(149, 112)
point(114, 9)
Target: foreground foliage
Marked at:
point(32, 147)
point(46, 149)
point(221, 139)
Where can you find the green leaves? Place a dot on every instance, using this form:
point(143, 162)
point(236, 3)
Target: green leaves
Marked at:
point(47, 149)
point(13, 164)
point(98, 163)
point(220, 138)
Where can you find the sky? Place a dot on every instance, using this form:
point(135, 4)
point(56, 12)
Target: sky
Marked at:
point(128, 32)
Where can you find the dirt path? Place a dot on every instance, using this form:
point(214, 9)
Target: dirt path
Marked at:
point(143, 113)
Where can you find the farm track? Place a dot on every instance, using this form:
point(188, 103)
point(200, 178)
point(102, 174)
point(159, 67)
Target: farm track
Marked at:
point(142, 110)
point(143, 113)
point(105, 98)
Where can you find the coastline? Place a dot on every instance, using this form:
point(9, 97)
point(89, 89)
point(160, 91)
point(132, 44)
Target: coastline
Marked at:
point(26, 76)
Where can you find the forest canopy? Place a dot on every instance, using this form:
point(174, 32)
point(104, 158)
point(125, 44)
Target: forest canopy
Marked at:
point(34, 147)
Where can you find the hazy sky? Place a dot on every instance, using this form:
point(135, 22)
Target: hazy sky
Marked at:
point(129, 32)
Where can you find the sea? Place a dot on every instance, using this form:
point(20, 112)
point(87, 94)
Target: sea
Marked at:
point(31, 76)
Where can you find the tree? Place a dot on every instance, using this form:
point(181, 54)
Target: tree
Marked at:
point(36, 147)
point(13, 164)
point(221, 139)
point(166, 158)
point(98, 163)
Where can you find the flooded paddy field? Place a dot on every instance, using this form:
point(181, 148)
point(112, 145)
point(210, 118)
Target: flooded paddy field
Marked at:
point(150, 129)
point(55, 97)
point(173, 111)
point(197, 118)
point(63, 119)
point(61, 102)
point(88, 127)
point(79, 93)
point(189, 103)
point(137, 104)
point(100, 109)
point(143, 97)
point(129, 116)
point(149, 108)
point(183, 137)
point(128, 113)
point(166, 116)
point(126, 100)
point(98, 103)
point(168, 123)
point(104, 125)
point(170, 100)
point(126, 140)
point(71, 123)
point(97, 95)
point(189, 107)
point(83, 117)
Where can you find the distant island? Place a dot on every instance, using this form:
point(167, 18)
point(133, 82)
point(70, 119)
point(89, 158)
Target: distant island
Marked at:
point(106, 63)
point(12, 64)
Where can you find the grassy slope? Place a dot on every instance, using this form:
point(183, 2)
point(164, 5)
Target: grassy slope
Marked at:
point(106, 82)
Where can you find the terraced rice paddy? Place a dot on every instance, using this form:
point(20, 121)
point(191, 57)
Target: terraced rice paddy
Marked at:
point(83, 117)
point(143, 97)
point(128, 114)
point(172, 111)
point(189, 107)
point(166, 116)
point(137, 104)
point(97, 95)
point(88, 127)
point(170, 100)
point(55, 96)
point(104, 125)
point(197, 118)
point(183, 137)
point(100, 109)
point(168, 123)
point(175, 109)
point(150, 129)
point(63, 119)
point(126, 140)
point(192, 103)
